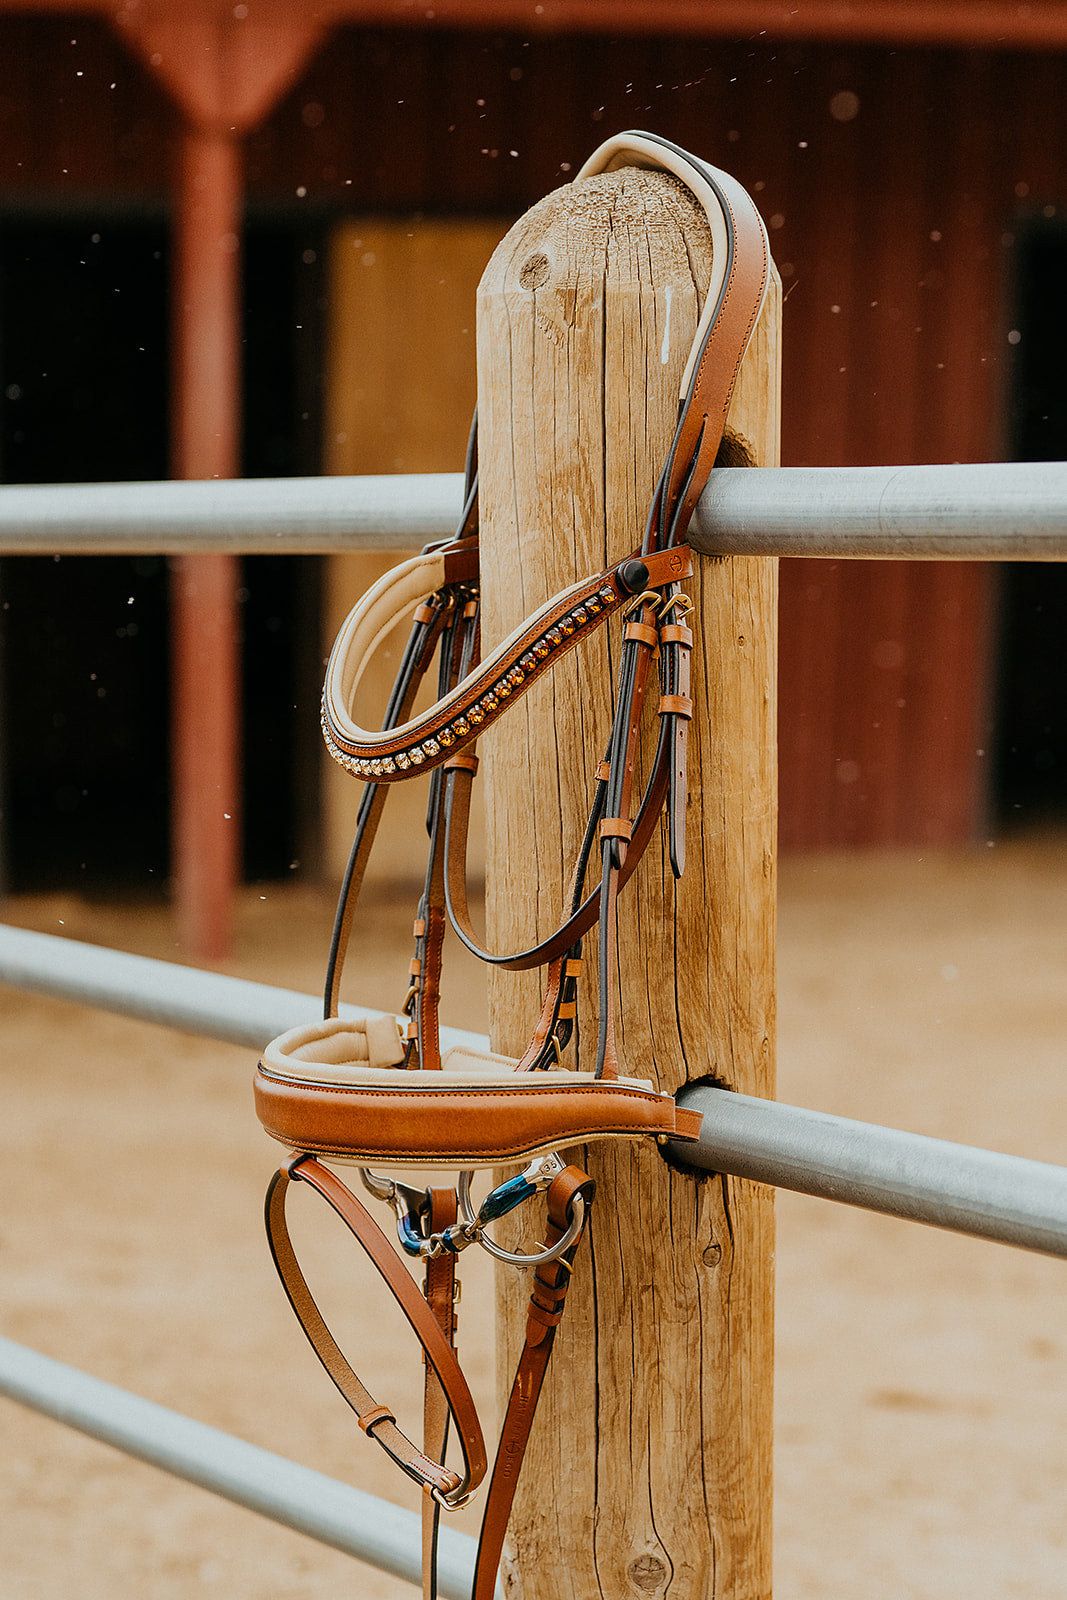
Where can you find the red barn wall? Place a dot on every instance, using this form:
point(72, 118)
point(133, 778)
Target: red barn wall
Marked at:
point(893, 183)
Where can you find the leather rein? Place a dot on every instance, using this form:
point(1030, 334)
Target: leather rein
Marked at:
point(392, 1106)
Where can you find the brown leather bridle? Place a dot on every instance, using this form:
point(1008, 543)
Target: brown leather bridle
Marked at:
point(402, 1103)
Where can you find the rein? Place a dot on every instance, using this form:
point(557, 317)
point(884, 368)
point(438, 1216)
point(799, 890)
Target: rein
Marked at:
point(378, 1092)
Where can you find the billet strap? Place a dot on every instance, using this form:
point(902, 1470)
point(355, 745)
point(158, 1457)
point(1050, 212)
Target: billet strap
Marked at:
point(474, 704)
point(377, 1420)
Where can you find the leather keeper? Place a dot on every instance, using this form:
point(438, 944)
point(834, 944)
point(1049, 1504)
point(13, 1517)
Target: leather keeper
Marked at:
point(676, 633)
point(616, 828)
point(419, 927)
point(603, 772)
point(461, 561)
point(547, 1319)
point(461, 763)
point(572, 966)
point(370, 1419)
point(678, 705)
point(424, 613)
point(643, 632)
point(567, 1011)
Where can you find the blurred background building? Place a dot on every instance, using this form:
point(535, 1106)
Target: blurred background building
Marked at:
point(245, 238)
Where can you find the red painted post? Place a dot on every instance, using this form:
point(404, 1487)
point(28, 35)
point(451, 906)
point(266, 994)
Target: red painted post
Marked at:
point(205, 346)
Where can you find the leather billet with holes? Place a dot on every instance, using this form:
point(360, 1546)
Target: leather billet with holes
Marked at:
point(377, 1091)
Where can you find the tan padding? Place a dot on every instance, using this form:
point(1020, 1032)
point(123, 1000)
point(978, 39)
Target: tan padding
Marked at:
point(630, 150)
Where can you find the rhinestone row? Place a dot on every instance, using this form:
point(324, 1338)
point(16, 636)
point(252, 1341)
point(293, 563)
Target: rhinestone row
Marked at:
point(476, 714)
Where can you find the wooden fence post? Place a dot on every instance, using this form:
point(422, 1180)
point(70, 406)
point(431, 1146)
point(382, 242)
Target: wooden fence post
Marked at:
point(650, 1464)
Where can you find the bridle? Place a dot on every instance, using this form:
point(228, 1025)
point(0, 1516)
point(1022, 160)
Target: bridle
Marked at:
point(378, 1092)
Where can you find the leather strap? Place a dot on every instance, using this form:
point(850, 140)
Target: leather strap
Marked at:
point(456, 719)
point(440, 1295)
point(543, 1318)
point(378, 1421)
point(431, 1321)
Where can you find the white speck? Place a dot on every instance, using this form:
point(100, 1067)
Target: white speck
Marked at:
point(1014, 336)
point(227, 815)
point(665, 347)
point(949, 972)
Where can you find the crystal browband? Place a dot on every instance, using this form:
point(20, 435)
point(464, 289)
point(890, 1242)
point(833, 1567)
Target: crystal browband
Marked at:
point(464, 714)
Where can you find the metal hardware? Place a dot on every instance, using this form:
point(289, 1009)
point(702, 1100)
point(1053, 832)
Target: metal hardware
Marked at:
point(648, 597)
point(538, 1175)
point(453, 1500)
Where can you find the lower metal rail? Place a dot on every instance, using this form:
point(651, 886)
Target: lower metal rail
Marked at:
point(361, 1525)
point(978, 1192)
point(983, 1193)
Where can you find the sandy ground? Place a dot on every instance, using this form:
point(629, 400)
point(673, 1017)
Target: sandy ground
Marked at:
point(922, 1413)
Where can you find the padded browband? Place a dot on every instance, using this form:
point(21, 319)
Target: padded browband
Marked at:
point(732, 304)
point(485, 693)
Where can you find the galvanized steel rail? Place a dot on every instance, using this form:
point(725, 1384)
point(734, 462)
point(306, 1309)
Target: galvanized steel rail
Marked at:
point(973, 512)
point(1000, 511)
point(361, 1525)
point(978, 1192)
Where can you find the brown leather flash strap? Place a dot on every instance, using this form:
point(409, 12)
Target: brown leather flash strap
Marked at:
point(546, 1308)
point(438, 1349)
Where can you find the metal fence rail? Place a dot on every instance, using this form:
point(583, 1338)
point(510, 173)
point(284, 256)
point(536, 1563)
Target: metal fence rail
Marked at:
point(991, 512)
point(361, 1525)
point(1003, 511)
point(979, 1192)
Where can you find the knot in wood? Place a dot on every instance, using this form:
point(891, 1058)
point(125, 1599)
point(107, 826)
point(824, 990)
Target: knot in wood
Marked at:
point(647, 1573)
point(534, 271)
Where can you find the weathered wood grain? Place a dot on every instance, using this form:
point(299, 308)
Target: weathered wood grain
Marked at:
point(650, 1467)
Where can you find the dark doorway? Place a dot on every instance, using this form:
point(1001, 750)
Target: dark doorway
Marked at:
point(1032, 725)
point(83, 397)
